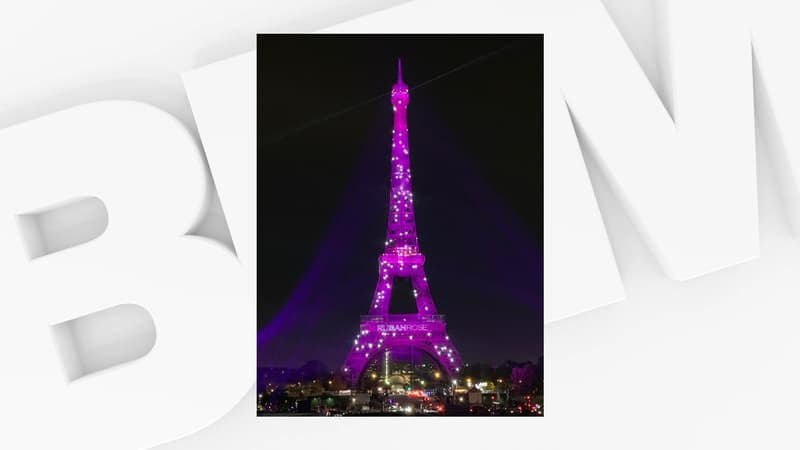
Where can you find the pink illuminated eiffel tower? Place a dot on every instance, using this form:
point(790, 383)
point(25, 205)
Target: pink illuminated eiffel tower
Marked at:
point(401, 257)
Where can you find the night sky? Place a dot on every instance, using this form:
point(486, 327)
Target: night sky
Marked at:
point(324, 139)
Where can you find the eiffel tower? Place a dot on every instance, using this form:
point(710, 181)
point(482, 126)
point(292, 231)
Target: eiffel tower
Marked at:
point(380, 331)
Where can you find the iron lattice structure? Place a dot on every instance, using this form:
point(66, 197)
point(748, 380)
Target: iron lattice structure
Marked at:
point(401, 257)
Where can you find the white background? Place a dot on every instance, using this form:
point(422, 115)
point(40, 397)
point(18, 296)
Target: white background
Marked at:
point(705, 363)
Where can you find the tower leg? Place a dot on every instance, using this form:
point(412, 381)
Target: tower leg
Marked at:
point(422, 293)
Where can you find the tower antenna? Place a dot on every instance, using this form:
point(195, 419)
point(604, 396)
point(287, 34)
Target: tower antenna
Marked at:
point(399, 71)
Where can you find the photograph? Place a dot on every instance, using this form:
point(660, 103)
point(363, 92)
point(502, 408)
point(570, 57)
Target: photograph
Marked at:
point(400, 199)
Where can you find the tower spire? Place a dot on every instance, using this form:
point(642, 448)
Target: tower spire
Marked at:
point(399, 71)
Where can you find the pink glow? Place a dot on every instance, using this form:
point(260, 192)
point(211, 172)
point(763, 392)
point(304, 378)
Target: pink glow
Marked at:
point(401, 257)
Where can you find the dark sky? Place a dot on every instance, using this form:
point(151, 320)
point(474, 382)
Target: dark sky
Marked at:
point(324, 139)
